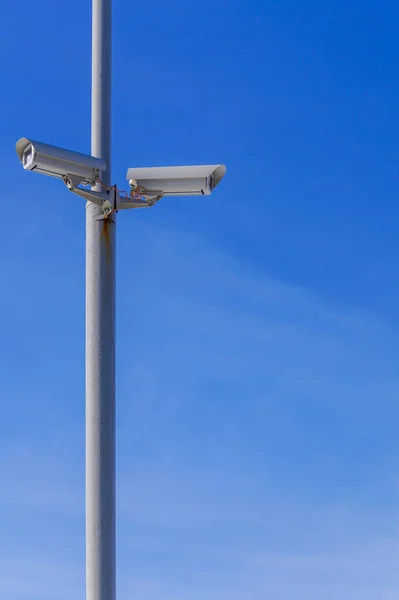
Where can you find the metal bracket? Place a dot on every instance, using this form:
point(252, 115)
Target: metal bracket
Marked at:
point(127, 202)
point(101, 199)
point(110, 204)
point(130, 203)
point(109, 200)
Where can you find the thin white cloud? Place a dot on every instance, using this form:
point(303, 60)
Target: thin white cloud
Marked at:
point(246, 409)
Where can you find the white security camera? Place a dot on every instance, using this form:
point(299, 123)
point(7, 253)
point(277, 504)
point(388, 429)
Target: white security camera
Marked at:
point(73, 167)
point(155, 182)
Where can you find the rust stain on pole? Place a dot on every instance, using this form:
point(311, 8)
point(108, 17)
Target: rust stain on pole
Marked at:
point(106, 234)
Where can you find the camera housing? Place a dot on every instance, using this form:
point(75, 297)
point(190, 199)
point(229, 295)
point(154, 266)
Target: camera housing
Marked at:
point(59, 162)
point(157, 182)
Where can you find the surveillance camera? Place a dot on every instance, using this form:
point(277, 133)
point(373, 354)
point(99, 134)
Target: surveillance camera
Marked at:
point(74, 168)
point(157, 182)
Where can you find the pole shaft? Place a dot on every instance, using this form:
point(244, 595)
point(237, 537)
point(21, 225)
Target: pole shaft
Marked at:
point(100, 334)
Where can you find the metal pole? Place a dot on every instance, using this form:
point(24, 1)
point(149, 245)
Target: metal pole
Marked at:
point(100, 334)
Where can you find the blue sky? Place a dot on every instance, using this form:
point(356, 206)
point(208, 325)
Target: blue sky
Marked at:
point(258, 331)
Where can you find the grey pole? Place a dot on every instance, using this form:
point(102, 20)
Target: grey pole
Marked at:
point(100, 333)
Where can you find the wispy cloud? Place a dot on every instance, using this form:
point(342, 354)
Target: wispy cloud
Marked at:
point(256, 441)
